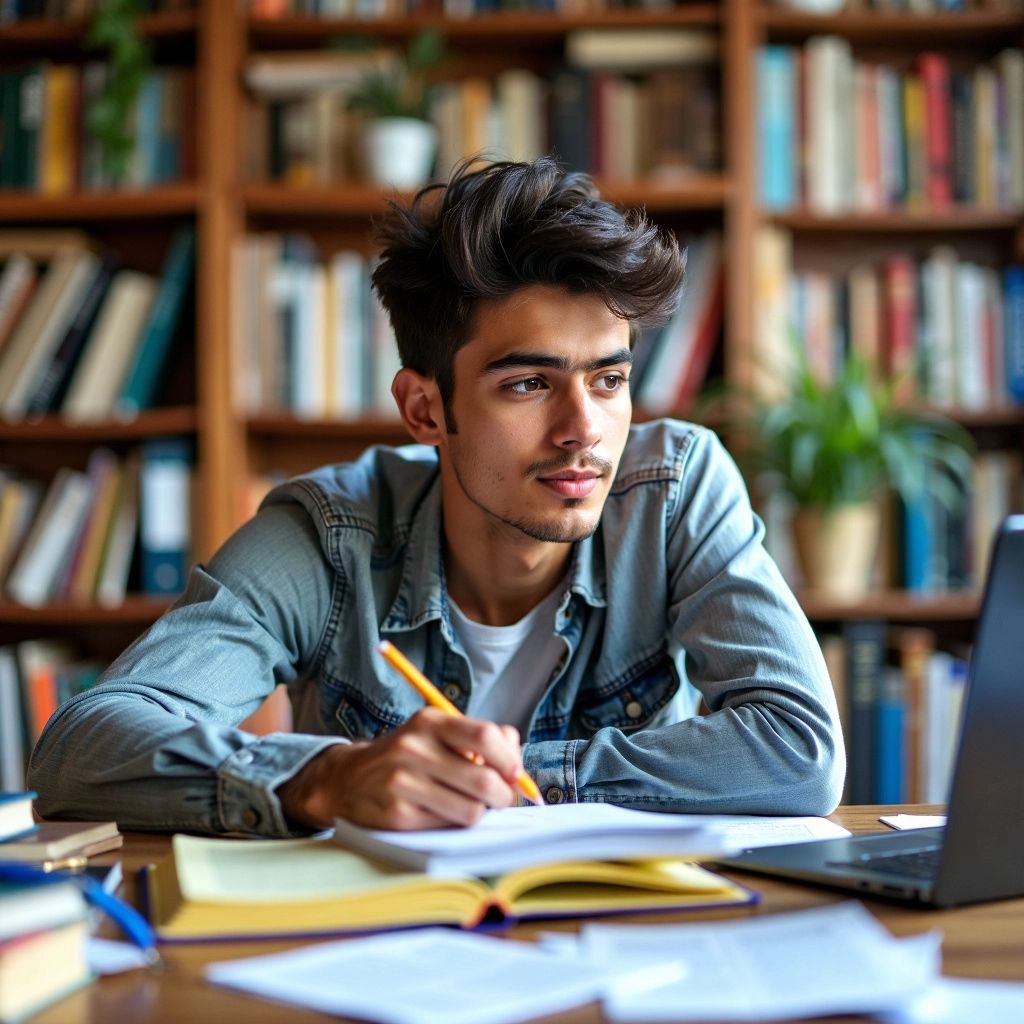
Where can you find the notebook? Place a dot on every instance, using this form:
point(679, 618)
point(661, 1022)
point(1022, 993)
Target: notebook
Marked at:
point(979, 853)
point(230, 888)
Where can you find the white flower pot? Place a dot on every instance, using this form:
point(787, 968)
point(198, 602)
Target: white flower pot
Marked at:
point(399, 151)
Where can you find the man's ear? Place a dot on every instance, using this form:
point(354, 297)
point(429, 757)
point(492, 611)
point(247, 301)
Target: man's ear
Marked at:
point(419, 404)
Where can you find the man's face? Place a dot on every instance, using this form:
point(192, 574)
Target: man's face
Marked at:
point(542, 409)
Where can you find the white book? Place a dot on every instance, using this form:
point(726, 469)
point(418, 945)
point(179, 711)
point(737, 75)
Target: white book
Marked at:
point(971, 356)
point(831, 139)
point(939, 337)
point(49, 543)
point(308, 354)
point(110, 348)
point(521, 104)
point(348, 276)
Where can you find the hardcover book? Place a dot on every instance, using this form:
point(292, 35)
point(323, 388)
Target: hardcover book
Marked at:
point(223, 888)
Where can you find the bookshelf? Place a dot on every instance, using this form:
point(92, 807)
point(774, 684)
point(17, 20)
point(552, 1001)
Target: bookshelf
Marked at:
point(224, 204)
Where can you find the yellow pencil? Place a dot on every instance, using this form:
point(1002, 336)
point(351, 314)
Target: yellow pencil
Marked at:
point(433, 696)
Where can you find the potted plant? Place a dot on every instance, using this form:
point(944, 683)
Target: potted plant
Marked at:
point(836, 448)
point(399, 138)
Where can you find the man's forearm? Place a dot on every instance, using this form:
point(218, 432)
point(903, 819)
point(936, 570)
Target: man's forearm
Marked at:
point(129, 757)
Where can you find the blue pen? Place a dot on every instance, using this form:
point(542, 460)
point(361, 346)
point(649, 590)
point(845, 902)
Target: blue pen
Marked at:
point(126, 917)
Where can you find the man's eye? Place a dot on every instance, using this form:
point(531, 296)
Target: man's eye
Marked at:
point(525, 387)
point(611, 381)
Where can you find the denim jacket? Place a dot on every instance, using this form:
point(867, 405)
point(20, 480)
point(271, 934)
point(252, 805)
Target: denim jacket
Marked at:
point(672, 600)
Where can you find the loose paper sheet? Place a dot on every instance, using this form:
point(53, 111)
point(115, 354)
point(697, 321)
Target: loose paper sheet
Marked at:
point(836, 959)
point(432, 976)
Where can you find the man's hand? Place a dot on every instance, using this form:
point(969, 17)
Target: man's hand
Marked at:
point(434, 770)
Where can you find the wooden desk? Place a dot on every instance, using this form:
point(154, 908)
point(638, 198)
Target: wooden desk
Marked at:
point(984, 941)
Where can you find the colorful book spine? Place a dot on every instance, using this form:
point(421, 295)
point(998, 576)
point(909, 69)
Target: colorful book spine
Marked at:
point(777, 144)
point(1013, 328)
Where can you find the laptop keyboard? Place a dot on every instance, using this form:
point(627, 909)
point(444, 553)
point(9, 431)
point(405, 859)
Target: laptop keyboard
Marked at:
point(912, 863)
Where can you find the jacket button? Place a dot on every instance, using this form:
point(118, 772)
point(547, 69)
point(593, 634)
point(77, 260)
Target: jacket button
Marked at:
point(251, 818)
point(452, 691)
point(553, 795)
point(634, 709)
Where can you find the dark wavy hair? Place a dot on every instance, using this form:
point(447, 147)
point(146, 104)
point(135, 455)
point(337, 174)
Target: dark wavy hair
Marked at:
point(493, 229)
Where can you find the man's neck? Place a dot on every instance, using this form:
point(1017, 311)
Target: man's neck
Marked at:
point(497, 584)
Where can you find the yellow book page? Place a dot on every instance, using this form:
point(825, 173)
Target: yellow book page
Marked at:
point(593, 887)
point(229, 887)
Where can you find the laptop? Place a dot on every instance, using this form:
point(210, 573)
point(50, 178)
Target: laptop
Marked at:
point(979, 853)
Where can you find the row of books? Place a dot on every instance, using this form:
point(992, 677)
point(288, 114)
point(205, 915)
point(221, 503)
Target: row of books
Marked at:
point(950, 330)
point(18, 10)
point(900, 699)
point(622, 107)
point(928, 547)
point(36, 677)
point(447, 8)
point(45, 141)
point(837, 133)
point(75, 537)
point(81, 334)
point(933, 6)
point(310, 336)
point(671, 363)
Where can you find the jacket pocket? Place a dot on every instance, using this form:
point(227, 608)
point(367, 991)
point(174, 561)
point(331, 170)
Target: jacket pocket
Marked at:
point(354, 714)
point(632, 700)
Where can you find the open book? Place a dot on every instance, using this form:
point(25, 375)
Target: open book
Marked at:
point(229, 888)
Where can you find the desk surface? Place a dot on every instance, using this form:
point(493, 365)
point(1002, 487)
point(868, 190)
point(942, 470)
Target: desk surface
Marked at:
point(984, 941)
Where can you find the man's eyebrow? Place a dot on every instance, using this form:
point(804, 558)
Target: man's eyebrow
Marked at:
point(560, 363)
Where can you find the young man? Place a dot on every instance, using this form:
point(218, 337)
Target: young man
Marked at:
point(560, 575)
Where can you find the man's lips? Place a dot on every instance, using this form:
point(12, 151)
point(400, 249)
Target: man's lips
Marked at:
point(569, 484)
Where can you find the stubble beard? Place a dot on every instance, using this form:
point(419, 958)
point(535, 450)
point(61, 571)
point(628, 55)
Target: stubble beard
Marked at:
point(542, 530)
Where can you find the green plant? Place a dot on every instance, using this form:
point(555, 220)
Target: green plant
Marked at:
point(114, 28)
point(402, 88)
point(845, 441)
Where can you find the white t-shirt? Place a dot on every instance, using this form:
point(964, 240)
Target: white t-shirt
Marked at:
point(510, 666)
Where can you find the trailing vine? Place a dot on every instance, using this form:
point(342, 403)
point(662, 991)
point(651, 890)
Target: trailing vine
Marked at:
point(114, 29)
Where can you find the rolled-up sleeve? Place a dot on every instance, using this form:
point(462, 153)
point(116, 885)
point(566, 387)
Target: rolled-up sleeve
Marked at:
point(156, 744)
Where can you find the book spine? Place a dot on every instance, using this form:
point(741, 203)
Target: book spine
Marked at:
point(889, 749)
point(934, 71)
point(865, 657)
point(51, 389)
point(165, 515)
point(776, 77)
point(139, 389)
point(1013, 331)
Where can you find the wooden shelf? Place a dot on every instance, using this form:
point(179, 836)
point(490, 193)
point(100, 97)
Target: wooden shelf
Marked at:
point(71, 31)
point(709, 192)
point(883, 222)
point(18, 206)
point(134, 611)
point(296, 31)
point(893, 605)
point(49, 429)
point(950, 28)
